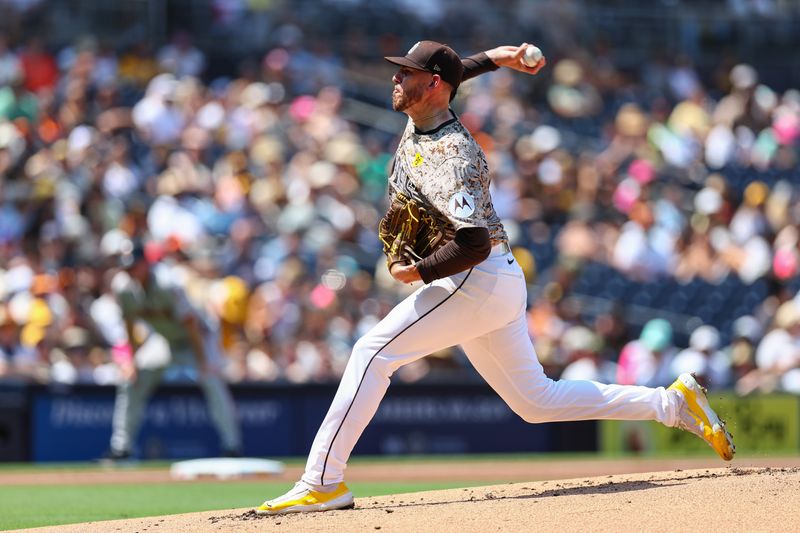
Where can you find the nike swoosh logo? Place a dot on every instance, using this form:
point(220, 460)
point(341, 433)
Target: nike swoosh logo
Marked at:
point(510, 261)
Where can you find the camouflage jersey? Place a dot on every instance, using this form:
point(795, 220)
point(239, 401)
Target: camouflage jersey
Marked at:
point(446, 169)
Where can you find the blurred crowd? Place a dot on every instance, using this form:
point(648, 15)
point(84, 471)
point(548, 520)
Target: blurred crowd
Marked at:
point(264, 197)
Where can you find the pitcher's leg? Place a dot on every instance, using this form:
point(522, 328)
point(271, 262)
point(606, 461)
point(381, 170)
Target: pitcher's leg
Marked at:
point(507, 361)
point(432, 318)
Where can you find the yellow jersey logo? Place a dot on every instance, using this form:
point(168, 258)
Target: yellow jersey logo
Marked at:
point(418, 160)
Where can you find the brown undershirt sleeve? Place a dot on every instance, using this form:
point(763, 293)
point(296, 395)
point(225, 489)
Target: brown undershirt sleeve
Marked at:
point(469, 247)
point(475, 65)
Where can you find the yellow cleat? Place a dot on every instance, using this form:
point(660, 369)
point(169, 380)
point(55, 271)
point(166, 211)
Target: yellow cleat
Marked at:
point(304, 498)
point(697, 416)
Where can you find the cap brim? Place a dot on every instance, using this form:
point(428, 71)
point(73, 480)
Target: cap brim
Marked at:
point(405, 62)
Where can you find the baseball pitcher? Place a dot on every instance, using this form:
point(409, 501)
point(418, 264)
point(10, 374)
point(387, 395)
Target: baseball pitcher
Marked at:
point(442, 233)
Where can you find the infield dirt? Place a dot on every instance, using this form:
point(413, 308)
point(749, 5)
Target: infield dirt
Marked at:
point(728, 499)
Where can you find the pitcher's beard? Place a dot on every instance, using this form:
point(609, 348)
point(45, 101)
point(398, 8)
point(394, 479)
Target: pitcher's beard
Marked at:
point(403, 100)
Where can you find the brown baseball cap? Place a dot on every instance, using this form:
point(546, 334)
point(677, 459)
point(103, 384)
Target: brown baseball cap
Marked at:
point(433, 57)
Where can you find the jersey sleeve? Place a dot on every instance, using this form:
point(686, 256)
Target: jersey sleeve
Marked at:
point(459, 193)
point(106, 315)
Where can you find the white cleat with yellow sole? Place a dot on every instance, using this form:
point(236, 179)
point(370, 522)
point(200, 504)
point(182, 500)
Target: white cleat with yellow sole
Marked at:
point(304, 498)
point(697, 416)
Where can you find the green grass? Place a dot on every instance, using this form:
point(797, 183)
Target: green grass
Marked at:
point(77, 466)
point(412, 459)
point(34, 506)
point(292, 461)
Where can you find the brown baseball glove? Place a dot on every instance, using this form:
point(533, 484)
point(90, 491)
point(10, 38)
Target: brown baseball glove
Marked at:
point(410, 232)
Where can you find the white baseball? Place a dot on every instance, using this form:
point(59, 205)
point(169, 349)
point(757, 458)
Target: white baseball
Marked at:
point(532, 56)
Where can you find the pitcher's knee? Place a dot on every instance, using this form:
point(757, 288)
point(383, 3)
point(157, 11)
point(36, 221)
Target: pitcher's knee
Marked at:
point(532, 414)
point(365, 348)
point(366, 351)
point(535, 408)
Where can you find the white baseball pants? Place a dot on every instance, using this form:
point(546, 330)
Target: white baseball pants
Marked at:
point(483, 310)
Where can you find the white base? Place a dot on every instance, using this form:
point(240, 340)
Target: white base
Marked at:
point(225, 468)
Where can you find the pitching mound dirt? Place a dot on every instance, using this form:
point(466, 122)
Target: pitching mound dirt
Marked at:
point(729, 499)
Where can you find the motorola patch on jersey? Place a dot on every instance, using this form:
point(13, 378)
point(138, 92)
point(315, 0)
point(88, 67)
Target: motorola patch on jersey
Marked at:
point(461, 205)
point(418, 160)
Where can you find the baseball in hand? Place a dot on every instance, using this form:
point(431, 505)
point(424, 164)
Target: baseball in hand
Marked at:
point(532, 56)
